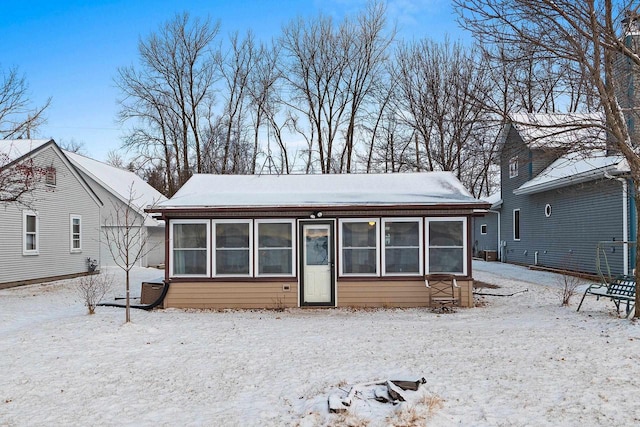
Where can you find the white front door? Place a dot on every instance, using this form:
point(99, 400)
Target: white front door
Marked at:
point(316, 264)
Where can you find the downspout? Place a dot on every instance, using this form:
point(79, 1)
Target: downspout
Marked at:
point(499, 228)
point(625, 222)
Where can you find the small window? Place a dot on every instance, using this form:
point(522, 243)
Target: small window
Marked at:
point(359, 247)
point(483, 229)
point(402, 254)
point(275, 248)
point(547, 210)
point(513, 167)
point(189, 248)
point(232, 248)
point(50, 176)
point(446, 243)
point(76, 233)
point(516, 224)
point(31, 230)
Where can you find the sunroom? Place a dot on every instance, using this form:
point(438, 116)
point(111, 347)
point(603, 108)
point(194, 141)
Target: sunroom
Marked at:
point(316, 240)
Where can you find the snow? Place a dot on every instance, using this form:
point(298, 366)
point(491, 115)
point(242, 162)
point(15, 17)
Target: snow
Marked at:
point(229, 191)
point(539, 130)
point(520, 360)
point(16, 148)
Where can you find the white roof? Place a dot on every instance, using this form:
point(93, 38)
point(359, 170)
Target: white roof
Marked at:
point(574, 168)
point(495, 199)
point(16, 148)
point(119, 182)
point(242, 191)
point(556, 130)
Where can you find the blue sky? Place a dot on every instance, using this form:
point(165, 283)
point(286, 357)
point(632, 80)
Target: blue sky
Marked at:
point(70, 50)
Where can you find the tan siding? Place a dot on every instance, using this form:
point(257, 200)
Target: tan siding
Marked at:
point(219, 295)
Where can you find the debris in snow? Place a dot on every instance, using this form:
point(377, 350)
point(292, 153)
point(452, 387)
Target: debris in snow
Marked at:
point(392, 392)
point(395, 392)
point(335, 404)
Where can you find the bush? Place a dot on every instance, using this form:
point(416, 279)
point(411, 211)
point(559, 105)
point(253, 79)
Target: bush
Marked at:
point(92, 288)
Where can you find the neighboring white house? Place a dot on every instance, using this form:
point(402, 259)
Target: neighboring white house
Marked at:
point(53, 233)
point(115, 187)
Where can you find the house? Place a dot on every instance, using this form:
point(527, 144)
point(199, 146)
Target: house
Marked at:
point(558, 204)
point(361, 240)
point(486, 231)
point(54, 231)
point(119, 188)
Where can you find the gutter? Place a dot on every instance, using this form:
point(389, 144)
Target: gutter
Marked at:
point(571, 180)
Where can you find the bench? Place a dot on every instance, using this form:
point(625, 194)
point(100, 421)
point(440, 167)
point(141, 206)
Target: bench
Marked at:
point(620, 290)
point(444, 289)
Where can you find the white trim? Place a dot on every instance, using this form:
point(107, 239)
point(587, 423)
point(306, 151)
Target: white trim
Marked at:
point(26, 251)
point(485, 229)
point(377, 247)
point(513, 170)
point(420, 246)
point(513, 225)
point(215, 222)
point(73, 217)
point(256, 246)
point(189, 221)
point(465, 243)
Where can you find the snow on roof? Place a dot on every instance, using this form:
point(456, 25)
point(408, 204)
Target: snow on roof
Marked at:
point(495, 199)
point(16, 148)
point(241, 191)
point(119, 182)
point(574, 168)
point(556, 130)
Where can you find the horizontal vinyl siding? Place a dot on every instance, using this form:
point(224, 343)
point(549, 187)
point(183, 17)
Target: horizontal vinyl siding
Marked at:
point(220, 295)
point(54, 206)
point(485, 242)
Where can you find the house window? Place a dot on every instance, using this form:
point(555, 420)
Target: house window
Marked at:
point(446, 243)
point(516, 224)
point(50, 176)
point(359, 248)
point(30, 228)
point(401, 251)
point(483, 229)
point(275, 244)
point(232, 248)
point(76, 233)
point(513, 167)
point(189, 247)
point(547, 210)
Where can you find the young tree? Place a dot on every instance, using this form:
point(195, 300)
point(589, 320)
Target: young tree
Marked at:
point(590, 37)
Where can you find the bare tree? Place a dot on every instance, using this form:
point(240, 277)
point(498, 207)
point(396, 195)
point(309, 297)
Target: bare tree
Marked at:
point(19, 178)
point(590, 36)
point(18, 119)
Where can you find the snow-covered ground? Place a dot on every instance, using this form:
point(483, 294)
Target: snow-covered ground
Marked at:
point(511, 361)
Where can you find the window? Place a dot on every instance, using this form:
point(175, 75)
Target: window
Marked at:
point(483, 229)
point(516, 224)
point(513, 167)
point(30, 228)
point(50, 176)
point(76, 233)
point(401, 246)
point(189, 247)
point(446, 243)
point(232, 253)
point(275, 248)
point(359, 248)
point(547, 210)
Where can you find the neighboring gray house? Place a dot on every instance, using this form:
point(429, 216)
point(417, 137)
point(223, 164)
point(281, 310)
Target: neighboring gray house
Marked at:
point(116, 187)
point(53, 233)
point(485, 230)
point(556, 204)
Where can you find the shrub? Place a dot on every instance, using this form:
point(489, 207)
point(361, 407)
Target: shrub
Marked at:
point(92, 288)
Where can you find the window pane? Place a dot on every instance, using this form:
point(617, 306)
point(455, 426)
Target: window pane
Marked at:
point(405, 260)
point(31, 242)
point(232, 261)
point(359, 260)
point(31, 224)
point(402, 234)
point(516, 225)
point(232, 235)
point(189, 261)
point(317, 247)
point(189, 235)
point(445, 233)
point(358, 234)
point(274, 261)
point(274, 235)
point(446, 260)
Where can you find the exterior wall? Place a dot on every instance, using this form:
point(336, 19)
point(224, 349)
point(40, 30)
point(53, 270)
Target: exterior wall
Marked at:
point(156, 244)
point(54, 205)
point(485, 242)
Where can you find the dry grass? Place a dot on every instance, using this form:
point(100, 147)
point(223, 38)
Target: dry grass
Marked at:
point(416, 413)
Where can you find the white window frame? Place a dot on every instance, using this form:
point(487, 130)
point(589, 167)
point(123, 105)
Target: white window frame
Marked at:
point(465, 243)
point(483, 228)
point(26, 251)
point(50, 177)
point(513, 224)
point(513, 167)
point(420, 246)
point(213, 246)
point(72, 249)
point(256, 245)
point(208, 258)
point(340, 248)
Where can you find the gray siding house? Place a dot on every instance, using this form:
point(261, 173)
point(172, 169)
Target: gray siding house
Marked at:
point(557, 205)
point(55, 230)
point(485, 228)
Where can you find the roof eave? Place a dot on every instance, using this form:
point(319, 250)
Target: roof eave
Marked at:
point(611, 170)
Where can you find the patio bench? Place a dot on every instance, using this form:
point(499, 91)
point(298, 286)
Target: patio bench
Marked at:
point(622, 289)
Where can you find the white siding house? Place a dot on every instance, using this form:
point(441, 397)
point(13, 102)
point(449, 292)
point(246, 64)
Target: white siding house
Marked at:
point(53, 233)
point(115, 187)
